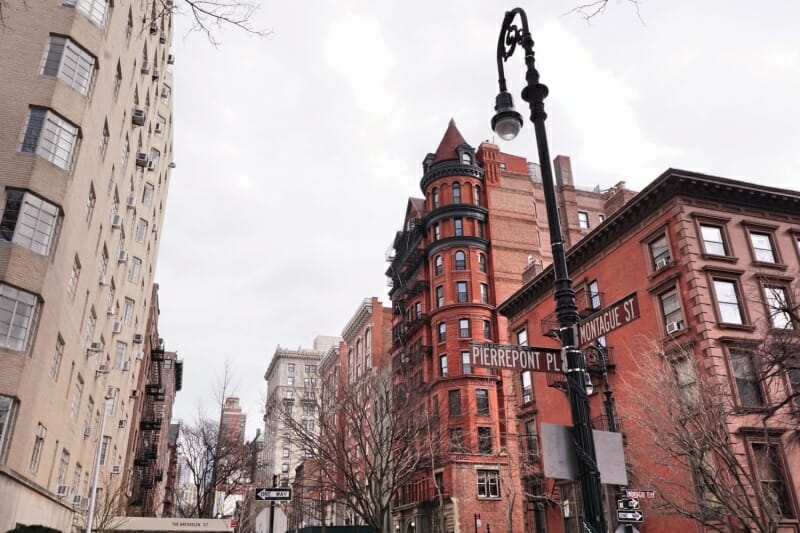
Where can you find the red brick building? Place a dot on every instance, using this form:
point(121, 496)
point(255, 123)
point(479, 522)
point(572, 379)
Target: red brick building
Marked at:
point(705, 259)
point(462, 250)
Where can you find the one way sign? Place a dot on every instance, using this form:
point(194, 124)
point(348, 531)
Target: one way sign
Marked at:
point(630, 517)
point(272, 494)
point(627, 504)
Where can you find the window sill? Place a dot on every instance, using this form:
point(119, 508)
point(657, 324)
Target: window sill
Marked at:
point(723, 258)
point(738, 327)
point(774, 266)
point(494, 498)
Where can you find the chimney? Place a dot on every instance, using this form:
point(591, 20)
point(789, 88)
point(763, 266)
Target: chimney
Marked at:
point(563, 170)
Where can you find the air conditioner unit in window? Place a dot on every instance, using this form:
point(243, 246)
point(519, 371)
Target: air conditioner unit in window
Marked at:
point(115, 470)
point(87, 433)
point(661, 262)
point(672, 327)
point(155, 228)
point(151, 165)
point(159, 128)
point(138, 338)
point(122, 256)
point(134, 393)
point(111, 310)
point(138, 116)
point(95, 347)
point(62, 490)
point(116, 221)
point(84, 503)
point(121, 423)
point(102, 281)
point(126, 365)
point(172, 165)
point(141, 159)
point(145, 67)
point(171, 59)
point(162, 38)
point(153, 27)
point(76, 500)
point(117, 327)
point(155, 73)
point(131, 203)
point(103, 369)
point(139, 356)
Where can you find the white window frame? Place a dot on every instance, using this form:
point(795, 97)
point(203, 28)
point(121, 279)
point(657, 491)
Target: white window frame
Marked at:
point(22, 308)
point(58, 356)
point(134, 269)
point(141, 230)
point(95, 10)
point(72, 64)
point(726, 301)
point(583, 219)
point(36, 224)
point(488, 483)
point(50, 137)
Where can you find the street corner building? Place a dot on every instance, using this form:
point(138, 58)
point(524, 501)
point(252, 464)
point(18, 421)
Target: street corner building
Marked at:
point(479, 230)
point(85, 163)
point(688, 300)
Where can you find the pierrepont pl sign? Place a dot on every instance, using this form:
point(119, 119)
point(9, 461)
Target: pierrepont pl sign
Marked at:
point(515, 357)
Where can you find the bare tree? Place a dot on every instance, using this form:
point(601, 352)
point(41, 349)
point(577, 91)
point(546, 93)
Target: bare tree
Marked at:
point(691, 429)
point(368, 441)
point(108, 504)
point(593, 8)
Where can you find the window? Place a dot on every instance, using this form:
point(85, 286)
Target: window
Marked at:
point(117, 79)
point(484, 440)
point(601, 218)
point(38, 442)
point(593, 292)
point(527, 386)
point(58, 355)
point(713, 241)
point(771, 474)
point(95, 10)
point(463, 327)
point(166, 90)
point(482, 401)
point(762, 247)
point(778, 305)
point(659, 252)
point(461, 260)
point(442, 332)
point(687, 382)
point(49, 136)
point(104, 449)
point(728, 301)
point(466, 158)
point(438, 265)
point(91, 198)
point(127, 310)
point(487, 329)
point(443, 365)
point(77, 390)
point(285, 452)
point(307, 424)
point(583, 219)
point(748, 383)
point(466, 366)
point(477, 195)
point(29, 221)
point(119, 354)
point(141, 230)
point(436, 232)
point(531, 440)
point(461, 292)
point(488, 483)
point(87, 420)
point(161, 125)
point(484, 293)
point(68, 62)
point(458, 227)
point(417, 312)
point(522, 337)
point(290, 381)
point(454, 402)
point(435, 197)
point(456, 193)
point(74, 275)
point(289, 394)
point(671, 309)
point(147, 194)
point(480, 230)
point(481, 262)
point(439, 296)
point(7, 415)
point(285, 467)
point(457, 440)
point(63, 464)
point(125, 151)
point(155, 155)
point(134, 268)
point(290, 368)
point(17, 315)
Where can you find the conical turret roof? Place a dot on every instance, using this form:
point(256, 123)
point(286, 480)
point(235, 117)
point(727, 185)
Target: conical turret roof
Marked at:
point(447, 148)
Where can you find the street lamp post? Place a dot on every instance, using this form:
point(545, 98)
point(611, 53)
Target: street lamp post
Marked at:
point(506, 123)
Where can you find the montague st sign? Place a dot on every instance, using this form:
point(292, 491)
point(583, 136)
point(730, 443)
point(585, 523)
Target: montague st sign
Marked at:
point(612, 317)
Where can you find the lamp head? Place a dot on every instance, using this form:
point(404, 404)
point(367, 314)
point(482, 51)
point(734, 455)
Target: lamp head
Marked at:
point(506, 122)
point(587, 380)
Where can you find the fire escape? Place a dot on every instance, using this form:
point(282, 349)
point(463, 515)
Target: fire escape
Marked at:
point(147, 470)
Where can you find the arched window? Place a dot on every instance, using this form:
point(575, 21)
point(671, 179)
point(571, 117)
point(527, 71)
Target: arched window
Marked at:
point(466, 158)
point(368, 340)
point(438, 265)
point(461, 260)
point(456, 193)
point(481, 262)
point(477, 195)
point(435, 197)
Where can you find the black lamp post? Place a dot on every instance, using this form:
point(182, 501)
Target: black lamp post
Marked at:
point(506, 123)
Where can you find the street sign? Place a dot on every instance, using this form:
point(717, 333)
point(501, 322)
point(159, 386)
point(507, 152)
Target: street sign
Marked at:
point(612, 317)
point(627, 504)
point(631, 517)
point(641, 494)
point(517, 357)
point(264, 494)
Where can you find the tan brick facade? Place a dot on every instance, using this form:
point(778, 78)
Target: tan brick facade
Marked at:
point(49, 410)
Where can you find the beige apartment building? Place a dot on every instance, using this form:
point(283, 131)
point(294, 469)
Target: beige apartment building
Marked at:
point(85, 158)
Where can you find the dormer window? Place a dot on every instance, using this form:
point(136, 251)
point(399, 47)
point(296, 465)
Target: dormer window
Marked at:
point(466, 158)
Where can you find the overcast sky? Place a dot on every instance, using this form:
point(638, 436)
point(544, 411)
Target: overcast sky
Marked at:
point(296, 153)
